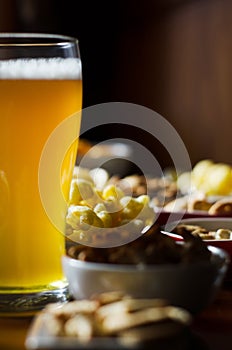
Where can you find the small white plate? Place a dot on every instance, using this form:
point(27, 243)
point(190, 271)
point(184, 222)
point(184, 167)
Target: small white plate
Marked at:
point(39, 338)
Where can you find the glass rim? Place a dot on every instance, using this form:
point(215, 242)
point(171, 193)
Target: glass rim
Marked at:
point(39, 39)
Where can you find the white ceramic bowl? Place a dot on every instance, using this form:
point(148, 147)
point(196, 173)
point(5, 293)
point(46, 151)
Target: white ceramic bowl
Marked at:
point(212, 224)
point(191, 286)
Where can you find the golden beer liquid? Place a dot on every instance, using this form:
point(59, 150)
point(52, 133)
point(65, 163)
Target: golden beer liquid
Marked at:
point(30, 245)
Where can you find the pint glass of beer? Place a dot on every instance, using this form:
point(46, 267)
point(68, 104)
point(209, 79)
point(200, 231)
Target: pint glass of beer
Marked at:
point(40, 115)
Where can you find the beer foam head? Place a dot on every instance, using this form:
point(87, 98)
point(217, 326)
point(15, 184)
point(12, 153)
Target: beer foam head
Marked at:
point(41, 68)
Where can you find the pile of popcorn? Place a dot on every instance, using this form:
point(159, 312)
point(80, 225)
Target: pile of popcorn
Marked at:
point(98, 209)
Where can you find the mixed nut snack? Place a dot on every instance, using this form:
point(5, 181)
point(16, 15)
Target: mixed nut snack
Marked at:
point(196, 230)
point(114, 314)
point(153, 247)
point(199, 202)
point(99, 210)
point(161, 190)
point(207, 188)
point(207, 177)
point(112, 209)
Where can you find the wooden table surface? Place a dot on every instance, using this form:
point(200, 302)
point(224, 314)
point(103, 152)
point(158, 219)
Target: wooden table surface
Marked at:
point(211, 329)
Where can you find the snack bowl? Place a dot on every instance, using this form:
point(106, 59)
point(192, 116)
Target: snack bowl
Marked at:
point(211, 224)
point(164, 216)
point(188, 285)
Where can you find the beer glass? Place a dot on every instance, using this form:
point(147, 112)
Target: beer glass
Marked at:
point(40, 116)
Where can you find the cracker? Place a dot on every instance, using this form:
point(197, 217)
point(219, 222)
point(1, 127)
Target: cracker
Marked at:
point(129, 305)
point(81, 326)
point(109, 297)
point(148, 333)
point(221, 207)
point(117, 322)
point(74, 307)
point(199, 204)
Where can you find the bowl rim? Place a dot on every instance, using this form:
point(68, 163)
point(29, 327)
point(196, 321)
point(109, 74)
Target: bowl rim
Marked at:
point(89, 265)
point(204, 219)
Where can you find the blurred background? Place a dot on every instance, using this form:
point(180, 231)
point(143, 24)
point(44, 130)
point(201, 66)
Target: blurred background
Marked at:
point(173, 56)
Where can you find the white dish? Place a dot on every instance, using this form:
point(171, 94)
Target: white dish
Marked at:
point(191, 286)
point(38, 337)
point(208, 223)
point(212, 224)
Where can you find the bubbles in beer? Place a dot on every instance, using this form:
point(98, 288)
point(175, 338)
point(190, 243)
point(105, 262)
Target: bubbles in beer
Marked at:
point(41, 68)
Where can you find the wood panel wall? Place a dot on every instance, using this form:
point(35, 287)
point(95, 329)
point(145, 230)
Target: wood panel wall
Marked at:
point(180, 64)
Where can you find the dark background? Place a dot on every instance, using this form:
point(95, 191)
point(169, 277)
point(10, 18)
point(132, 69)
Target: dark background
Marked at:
point(171, 56)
